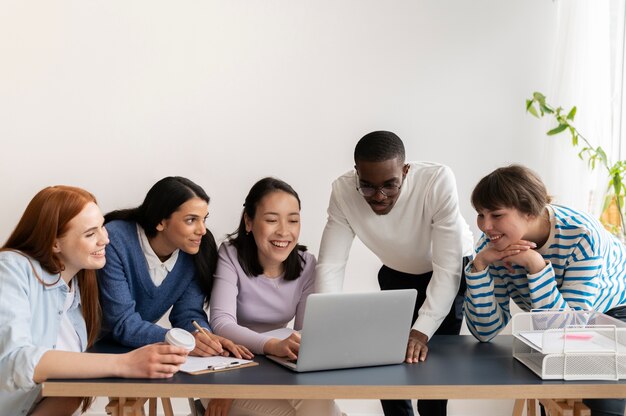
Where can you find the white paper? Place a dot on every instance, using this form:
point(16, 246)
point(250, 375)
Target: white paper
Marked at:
point(194, 364)
point(569, 341)
point(534, 339)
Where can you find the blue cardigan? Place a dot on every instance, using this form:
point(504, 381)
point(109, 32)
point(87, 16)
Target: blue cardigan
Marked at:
point(131, 303)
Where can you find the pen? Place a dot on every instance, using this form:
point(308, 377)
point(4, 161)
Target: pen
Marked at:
point(223, 366)
point(199, 328)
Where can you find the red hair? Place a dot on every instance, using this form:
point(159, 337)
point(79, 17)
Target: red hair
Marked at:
point(45, 219)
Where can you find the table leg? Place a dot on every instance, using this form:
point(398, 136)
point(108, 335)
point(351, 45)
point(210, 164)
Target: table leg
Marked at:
point(152, 406)
point(167, 406)
point(557, 407)
point(128, 408)
point(136, 408)
point(518, 408)
point(581, 409)
point(112, 408)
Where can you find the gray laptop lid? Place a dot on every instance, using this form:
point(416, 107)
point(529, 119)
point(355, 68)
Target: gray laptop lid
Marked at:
point(344, 330)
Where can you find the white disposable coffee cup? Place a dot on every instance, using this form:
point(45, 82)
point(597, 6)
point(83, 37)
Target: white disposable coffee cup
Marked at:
point(180, 338)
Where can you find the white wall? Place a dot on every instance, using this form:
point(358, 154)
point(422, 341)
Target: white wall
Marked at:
point(112, 96)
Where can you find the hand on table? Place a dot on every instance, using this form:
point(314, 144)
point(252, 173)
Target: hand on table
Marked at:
point(287, 347)
point(209, 344)
point(236, 350)
point(152, 361)
point(417, 348)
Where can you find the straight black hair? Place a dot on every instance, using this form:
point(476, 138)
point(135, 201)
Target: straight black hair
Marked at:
point(163, 199)
point(247, 250)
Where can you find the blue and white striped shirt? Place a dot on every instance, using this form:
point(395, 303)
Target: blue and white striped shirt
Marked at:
point(585, 269)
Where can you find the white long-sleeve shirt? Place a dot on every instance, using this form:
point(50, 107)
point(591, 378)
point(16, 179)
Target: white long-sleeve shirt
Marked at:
point(423, 232)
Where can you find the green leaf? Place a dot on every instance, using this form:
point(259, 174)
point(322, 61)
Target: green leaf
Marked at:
point(584, 153)
point(539, 97)
point(617, 183)
point(590, 154)
point(546, 109)
point(557, 129)
point(572, 113)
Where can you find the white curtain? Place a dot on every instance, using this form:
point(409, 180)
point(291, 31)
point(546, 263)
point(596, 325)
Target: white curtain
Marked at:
point(587, 72)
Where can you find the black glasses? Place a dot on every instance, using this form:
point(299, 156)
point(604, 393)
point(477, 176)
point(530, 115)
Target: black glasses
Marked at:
point(369, 191)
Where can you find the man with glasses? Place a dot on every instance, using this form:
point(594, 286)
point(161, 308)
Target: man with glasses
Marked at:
point(407, 214)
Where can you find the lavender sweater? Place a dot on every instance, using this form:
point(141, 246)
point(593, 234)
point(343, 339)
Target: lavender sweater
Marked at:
point(242, 307)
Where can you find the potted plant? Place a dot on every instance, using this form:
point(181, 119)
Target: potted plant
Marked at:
point(612, 216)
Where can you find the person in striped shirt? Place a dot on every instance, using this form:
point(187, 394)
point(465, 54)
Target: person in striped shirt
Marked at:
point(540, 255)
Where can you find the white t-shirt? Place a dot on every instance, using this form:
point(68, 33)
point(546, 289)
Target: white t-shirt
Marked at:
point(68, 339)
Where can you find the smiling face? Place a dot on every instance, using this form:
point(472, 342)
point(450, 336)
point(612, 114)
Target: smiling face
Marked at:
point(276, 229)
point(182, 230)
point(82, 245)
point(504, 226)
point(385, 178)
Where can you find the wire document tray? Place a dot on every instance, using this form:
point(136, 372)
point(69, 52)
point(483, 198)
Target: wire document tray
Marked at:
point(570, 345)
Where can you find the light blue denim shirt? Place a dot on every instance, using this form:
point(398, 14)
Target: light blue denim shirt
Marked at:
point(30, 315)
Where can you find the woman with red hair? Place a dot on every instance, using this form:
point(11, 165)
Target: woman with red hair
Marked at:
point(49, 310)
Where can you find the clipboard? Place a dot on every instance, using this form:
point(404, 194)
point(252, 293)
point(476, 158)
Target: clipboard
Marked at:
point(215, 364)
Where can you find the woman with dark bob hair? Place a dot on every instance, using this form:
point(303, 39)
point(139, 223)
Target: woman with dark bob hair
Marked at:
point(49, 311)
point(263, 279)
point(162, 256)
point(542, 256)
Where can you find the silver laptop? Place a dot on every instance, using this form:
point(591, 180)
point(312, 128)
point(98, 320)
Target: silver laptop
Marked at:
point(345, 330)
